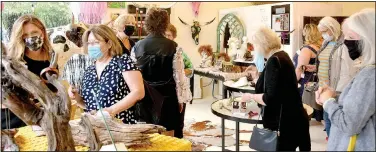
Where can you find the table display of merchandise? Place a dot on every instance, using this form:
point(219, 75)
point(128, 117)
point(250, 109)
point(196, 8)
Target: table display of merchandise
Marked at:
point(240, 62)
point(93, 130)
point(235, 110)
point(214, 73)
point(27, 140)
point(242, 85)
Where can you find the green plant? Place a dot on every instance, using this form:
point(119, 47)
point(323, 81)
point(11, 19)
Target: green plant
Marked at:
point(116, 4)
point(52, 14)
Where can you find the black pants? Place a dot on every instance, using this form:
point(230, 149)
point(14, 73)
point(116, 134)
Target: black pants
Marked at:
point(178, 133)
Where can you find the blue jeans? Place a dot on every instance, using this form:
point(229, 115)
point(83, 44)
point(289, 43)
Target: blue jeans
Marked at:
point(327, 123)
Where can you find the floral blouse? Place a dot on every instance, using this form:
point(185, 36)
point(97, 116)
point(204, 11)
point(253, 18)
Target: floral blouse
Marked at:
point(110, 88)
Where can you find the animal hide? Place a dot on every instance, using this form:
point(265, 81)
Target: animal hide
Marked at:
point(196, 29)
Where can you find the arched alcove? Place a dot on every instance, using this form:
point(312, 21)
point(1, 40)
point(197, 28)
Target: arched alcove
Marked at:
point(236, 28)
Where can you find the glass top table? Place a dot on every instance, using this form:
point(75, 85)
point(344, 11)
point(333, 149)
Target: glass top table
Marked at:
point(228, 85)
point(221, 109)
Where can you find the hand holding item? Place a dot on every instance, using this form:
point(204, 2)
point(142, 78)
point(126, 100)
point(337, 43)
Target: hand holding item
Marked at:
point(72, 92)
point(108, 112)
point(324, 93)
point(310, 68)
point(247, 97)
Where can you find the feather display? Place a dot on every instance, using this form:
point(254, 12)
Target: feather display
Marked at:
point(92, 12)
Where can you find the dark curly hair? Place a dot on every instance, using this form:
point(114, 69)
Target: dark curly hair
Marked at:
point(157, 21)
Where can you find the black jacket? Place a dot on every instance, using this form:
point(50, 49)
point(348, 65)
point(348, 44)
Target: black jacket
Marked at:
point(154, 56)
point(281, 93)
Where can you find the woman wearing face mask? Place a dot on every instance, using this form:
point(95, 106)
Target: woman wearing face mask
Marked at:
point(278, 95)
point(163, 68)
point(113, 81)
point(353, 113)
point(336, 68)
point(125, 27)
point(29, 43)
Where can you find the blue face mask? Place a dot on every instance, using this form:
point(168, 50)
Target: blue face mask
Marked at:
point(259, 62)
point(95, 52)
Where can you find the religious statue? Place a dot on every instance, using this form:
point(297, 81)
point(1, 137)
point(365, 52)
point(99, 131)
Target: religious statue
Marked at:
point(233, 42)
point(243, 49)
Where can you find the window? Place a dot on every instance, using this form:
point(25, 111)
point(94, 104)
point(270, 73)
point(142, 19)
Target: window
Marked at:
point(52, 14)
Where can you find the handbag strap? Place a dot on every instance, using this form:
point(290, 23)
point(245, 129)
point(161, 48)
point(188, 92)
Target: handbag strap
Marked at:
point(263, 107)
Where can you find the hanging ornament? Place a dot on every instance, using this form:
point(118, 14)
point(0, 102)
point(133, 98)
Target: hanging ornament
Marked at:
point(195, 8)
point(196, 28)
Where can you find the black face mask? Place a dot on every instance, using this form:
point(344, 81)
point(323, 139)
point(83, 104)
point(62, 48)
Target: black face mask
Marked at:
point(129, 30)
point(34, 43)
point(353, 47)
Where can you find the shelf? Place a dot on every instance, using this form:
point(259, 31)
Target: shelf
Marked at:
point(136, 37)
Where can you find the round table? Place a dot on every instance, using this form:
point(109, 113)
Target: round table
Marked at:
point(242, 63)
point(223, 112)
point(227, 87)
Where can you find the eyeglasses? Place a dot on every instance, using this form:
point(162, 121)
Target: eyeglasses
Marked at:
point(93, 43)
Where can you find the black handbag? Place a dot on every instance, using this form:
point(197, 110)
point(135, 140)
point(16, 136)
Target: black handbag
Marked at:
point(148, 110)
point(309, 96)
point(263, 139)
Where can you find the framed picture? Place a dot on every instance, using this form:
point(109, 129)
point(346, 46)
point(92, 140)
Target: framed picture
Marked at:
point(281, 22)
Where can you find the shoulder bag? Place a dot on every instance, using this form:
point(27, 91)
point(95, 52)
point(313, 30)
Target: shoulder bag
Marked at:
point(309, 96)
point(148, 109)
point(263, 139)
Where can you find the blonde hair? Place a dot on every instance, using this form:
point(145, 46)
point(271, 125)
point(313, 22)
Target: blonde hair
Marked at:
point(123, 20)
point(312, 35)
point(363, 24)
point(331, 24)
point(16, 49)
point(265, 40)
point(104, 33)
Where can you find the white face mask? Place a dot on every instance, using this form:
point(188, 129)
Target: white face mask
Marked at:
point(327, 37)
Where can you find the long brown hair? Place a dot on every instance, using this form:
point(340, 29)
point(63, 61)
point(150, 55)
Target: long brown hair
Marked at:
point(106, 34)
point(16, 49)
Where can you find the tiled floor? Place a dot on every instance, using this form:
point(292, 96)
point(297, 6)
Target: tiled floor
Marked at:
point(200, 111)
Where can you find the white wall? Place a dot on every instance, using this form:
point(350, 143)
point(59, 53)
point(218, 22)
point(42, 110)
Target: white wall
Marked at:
point(252, 17)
